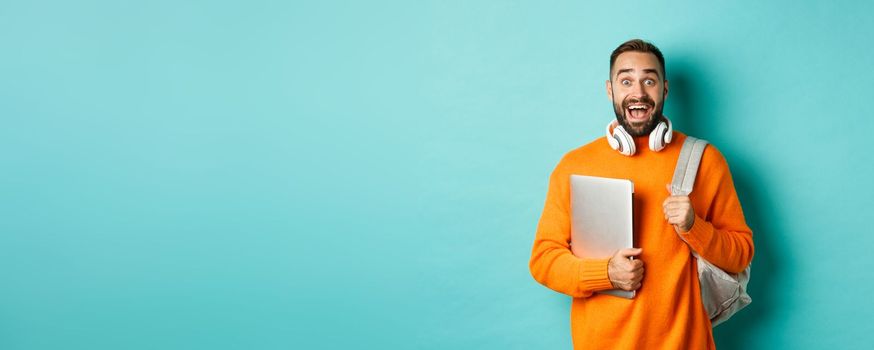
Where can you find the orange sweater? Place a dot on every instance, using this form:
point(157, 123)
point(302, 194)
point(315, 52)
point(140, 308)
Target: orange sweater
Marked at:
point(667, 312)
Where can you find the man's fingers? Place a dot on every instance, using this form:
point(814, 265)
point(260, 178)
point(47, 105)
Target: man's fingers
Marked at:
point(676, 204)
point(629, 286)
point(629, 280)
point(672, 205)
point(677, 220)
point(675, 212)
point(636, 273)
point(622, 285)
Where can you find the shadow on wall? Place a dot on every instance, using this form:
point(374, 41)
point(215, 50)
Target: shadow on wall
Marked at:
point(690, 89)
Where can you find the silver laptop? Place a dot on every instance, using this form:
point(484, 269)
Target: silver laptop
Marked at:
point(602, 219)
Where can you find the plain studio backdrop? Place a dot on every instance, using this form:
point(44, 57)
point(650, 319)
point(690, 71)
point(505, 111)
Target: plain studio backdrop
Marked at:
point(369, 174)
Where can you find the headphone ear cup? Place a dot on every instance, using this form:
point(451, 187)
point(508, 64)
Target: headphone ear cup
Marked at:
point(613, 141)
point(626, 143)
point(669, 135)
point(656, 137)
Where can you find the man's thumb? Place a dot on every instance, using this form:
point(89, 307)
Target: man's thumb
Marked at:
point(627, 252)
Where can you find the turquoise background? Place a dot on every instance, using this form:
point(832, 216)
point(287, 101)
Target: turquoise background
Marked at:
point(278, 175)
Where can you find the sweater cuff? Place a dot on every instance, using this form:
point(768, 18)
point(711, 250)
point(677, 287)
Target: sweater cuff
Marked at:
point(593, 275)
point(699, 235)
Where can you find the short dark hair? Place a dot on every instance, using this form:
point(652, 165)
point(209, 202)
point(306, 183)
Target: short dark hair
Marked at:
point(637, 45)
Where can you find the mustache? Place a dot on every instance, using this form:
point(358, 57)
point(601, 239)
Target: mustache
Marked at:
point(645, 100)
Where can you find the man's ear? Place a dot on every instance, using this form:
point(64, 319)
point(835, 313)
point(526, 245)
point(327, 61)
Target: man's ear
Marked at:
point(666, 90)
point(610, 90)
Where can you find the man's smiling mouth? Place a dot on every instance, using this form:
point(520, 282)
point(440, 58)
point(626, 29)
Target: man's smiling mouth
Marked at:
point(638, 112)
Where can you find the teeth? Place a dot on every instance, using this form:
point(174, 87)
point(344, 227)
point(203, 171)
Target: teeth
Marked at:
point(637, 107)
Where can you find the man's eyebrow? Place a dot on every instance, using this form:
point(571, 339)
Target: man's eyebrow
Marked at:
point(645, 70)
point(651, 70)
point(626, 70)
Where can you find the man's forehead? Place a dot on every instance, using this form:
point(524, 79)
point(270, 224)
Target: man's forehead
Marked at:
point(637, 62)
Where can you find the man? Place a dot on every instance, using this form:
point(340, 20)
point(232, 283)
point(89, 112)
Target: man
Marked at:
point(667, 312)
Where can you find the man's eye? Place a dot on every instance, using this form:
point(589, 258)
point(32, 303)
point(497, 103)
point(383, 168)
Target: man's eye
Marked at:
point(626, 82)
point(649, 82)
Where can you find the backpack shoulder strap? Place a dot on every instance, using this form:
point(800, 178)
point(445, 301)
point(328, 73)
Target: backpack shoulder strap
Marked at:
point(687, 166)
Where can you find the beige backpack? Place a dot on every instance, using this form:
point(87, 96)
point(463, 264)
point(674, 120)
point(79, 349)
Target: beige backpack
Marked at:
point(723, 293)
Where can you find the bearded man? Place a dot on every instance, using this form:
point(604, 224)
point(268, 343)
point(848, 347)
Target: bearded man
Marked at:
point(641, 145)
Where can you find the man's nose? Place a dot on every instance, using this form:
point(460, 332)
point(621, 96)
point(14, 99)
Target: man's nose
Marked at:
point(638, 91)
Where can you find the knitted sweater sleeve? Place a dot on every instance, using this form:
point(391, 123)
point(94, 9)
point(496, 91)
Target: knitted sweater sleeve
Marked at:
point(552, 263)
point(720, 233)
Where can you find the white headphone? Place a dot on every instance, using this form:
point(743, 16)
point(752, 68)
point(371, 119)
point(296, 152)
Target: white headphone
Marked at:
point(621, 141)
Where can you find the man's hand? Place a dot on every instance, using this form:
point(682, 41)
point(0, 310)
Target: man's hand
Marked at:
point(679, 212)
point(623, 272)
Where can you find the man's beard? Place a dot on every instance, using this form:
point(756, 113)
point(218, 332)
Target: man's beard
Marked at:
point(645, 129)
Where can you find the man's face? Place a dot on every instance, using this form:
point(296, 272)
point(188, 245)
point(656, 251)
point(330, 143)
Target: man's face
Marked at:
point(638, 90)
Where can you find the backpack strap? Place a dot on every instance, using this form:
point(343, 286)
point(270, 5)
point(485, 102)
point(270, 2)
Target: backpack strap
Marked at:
point(687, 166)
point(722, 294)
